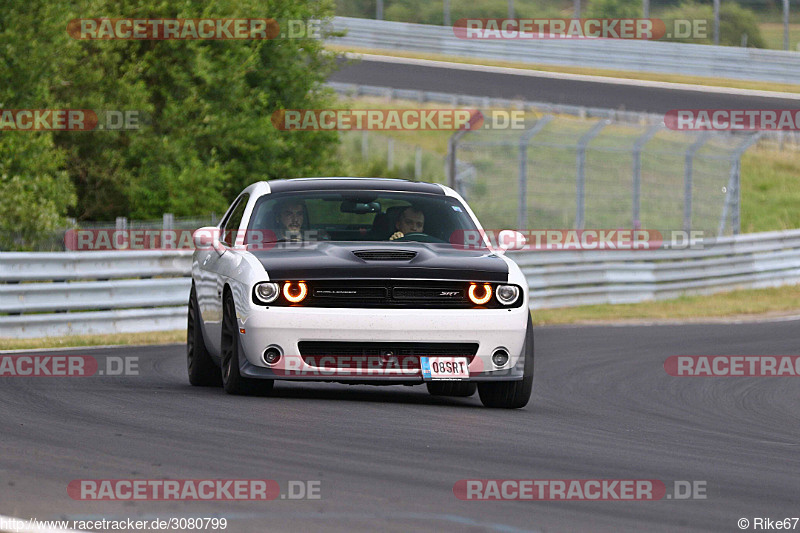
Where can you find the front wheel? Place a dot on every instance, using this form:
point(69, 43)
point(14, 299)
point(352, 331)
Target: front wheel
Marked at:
point(512, 394)
point(232, 380)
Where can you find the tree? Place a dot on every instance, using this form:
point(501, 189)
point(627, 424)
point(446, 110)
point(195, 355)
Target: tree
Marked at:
point(205, 107)
point(35, 189)
point(734, 22)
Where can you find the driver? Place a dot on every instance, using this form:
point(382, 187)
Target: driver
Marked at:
point(290, 220)
point(411, 220)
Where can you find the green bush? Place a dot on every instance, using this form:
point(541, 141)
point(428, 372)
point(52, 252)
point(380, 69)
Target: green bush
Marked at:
point(734, 21)
point(613, 9)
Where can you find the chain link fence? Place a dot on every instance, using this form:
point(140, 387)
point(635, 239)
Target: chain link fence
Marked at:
point(563, 172)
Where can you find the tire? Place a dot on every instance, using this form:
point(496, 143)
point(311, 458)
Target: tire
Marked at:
point(451, 388)
point(203, 372)
point(232, 380)
point(512, 394)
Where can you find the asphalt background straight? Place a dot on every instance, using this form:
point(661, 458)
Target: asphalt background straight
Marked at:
point(387, 457)
point(546, 89)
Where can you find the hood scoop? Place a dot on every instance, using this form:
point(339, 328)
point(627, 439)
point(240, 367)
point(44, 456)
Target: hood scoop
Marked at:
point(385, 255)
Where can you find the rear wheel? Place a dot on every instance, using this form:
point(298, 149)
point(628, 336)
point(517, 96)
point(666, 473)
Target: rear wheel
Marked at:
point(232, 380)
point(512, 394)
point(451, 388)
point(202, 370)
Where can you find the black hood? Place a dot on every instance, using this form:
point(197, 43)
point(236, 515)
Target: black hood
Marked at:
point(337, 260)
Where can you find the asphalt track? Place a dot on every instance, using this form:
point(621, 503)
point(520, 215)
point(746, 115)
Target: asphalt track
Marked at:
point(543, 88)
point(387, 458)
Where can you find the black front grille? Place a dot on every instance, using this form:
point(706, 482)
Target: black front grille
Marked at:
point(350, 293)
point(337, 354)
point(388, 293)
point(385, 255)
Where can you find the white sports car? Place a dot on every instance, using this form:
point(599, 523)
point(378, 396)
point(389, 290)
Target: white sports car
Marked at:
point(360, 281)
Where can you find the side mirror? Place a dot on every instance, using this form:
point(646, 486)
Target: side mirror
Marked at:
point(207, 237)
point(511, 240)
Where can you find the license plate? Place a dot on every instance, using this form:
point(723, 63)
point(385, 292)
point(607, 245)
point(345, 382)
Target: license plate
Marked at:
point(444, 368)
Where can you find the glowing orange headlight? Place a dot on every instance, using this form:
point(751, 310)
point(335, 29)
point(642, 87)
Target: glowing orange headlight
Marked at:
point(295, 293)
point(480, 300)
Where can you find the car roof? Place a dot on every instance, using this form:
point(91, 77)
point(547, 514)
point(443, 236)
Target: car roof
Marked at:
point(347, 183)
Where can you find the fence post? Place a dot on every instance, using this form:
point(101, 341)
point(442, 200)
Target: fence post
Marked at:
point(121, 227)
point(452, 147)
point(522, 212)
point(580, 192)
point(637, 172)
point(168, 221)
point(417, 162)
point(687, 179)
point(786, 24)
point(364, 145)
point(733, 195)
point(390, 153)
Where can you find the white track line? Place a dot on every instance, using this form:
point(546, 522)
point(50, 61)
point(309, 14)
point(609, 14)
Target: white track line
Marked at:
point(74, 348)
point(702, 321)
point(28, 527)
point(573, 77)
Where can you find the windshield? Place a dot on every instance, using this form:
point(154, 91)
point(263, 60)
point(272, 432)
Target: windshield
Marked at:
point(358, 216)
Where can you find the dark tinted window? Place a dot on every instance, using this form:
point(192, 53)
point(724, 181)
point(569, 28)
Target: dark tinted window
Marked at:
point(356, 216)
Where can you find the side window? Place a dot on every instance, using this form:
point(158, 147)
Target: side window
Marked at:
point(234, 221)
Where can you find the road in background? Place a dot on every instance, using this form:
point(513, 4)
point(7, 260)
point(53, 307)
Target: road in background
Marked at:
point(548, 88)
point(387, 458)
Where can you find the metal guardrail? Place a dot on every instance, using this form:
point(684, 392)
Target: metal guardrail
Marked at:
point(571, 278)
point(44, 294)
point(148, 291)
point(615, 54)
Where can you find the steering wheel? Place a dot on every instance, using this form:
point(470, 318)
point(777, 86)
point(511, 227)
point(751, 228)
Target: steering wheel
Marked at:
point(418, 237)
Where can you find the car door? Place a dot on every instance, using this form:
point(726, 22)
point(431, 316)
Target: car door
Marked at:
point(215, 267)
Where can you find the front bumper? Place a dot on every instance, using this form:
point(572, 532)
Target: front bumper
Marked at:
point(285, 327)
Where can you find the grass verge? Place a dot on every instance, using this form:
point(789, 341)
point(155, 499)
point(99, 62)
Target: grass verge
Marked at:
point(772, 32)
point(122, 339)
point(741, 304)
point(625, 74)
